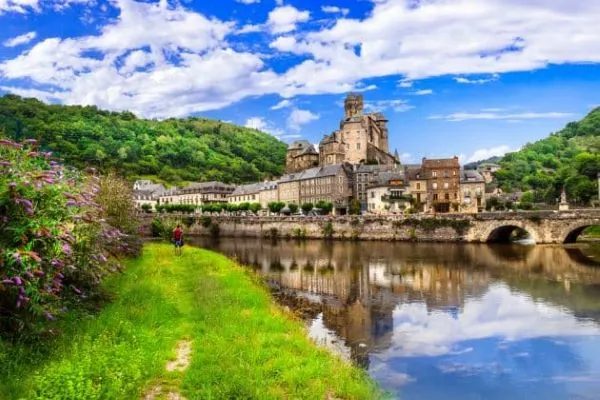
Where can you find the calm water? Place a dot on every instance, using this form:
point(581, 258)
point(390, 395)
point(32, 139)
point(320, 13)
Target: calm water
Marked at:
point(447, 321)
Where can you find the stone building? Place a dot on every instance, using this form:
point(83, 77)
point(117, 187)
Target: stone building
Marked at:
point(443, 184)
point(390, 194)
point(472, 192)
point(146, 192)
point(328, 183)
point(245, 194)
point(366, 175)
point(418, 186)
point(198, 193)
point(268, 193)
point(361, 139)
point(301, 155)
point(487, 170)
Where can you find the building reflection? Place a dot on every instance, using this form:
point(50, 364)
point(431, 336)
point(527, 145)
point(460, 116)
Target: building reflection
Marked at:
point(360, 284)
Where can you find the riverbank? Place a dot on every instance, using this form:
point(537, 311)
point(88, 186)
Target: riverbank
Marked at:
point(221, 327)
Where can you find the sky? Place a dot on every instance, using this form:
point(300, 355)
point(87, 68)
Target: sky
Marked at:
point(472, 78)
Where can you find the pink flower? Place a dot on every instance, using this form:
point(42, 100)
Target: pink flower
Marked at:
point(67, 249)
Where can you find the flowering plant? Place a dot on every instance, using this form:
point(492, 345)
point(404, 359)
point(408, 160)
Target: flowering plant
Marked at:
point(54, 244)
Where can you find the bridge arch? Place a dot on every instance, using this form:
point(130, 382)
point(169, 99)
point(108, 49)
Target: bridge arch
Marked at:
point(503, 231)
point(572, 231)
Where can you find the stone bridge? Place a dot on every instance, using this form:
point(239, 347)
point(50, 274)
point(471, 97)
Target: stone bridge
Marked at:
point(543, 227)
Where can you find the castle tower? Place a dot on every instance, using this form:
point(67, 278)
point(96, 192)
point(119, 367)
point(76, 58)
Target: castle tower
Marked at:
point(353, 105)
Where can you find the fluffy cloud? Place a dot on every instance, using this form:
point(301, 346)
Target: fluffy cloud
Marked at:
point(285, 19)
point(461, 79)
point(519, 116)
point(499, 313)
point(160, 59)
point(20, 40)
point(20, 6)
point(484, 154)
point(300, 117)
point(261, 124)
point(248, 1)
point(282, 104)
point(334, 10)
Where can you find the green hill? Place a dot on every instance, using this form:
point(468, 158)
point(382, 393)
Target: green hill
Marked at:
point(173, 150)
point(569, 158)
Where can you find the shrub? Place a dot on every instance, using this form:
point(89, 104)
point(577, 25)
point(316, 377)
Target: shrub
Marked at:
point(55, 246)
point(325, 206)
point(147, 208)
point(306, 207)
point(293, 208)
point(275, 206)
point(328, 230)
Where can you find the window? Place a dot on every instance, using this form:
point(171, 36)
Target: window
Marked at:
point(447, 196)
point(372, 195)
point(445, 174)
point(445, 185)
point(418, 186)
point(454, 172)
point(435, 197)
point(434, 174)
point(434, 185)
point(357, 146)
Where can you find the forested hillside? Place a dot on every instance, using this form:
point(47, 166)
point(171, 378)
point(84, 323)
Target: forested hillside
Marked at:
point(569, 158)
point(173, 150)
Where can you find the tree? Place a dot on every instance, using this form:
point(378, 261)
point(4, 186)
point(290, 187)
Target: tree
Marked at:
point(255, 207)
point(275, 206)
point(306, 207)
point(325, 206)
point(293, 207)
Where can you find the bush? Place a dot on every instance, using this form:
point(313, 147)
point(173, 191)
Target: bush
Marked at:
point(325, 206)
point(293, 208)
point(147, 208)
point(181, 208)
point(275, 206)
point(55, 246)
point(255, 207)
point(306, 207)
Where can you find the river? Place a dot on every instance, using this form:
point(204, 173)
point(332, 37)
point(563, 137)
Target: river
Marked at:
point(445, 321)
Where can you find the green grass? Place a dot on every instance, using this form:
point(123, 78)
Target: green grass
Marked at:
point(592, 232)
point(243, 345)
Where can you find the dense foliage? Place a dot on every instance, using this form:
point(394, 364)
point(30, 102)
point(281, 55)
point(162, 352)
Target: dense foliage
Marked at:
point(569, 158)
point(174, 150)
point(55, 245)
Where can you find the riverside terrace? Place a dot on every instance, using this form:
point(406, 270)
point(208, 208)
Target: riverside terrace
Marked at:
point(542, 227)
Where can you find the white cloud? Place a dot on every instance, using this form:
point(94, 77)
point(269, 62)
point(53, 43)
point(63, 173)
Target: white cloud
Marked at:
point(300, 117)
point(499, 313)
point(248, 1)
point(20, 40)
point(382, 105)
point(405, 83)
point(261, 124)
point(484, 154)
point(282, 104)
point(285, 19)
point(406, 158)
point(457, 117)
point(19, 6)
point(461, 79)
point(423, 92)
point(335, 10)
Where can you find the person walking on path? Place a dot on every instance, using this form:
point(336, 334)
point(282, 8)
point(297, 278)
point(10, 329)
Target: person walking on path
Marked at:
point(178, 239)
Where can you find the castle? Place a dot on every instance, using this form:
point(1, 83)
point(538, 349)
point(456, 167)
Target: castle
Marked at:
point(361, 139)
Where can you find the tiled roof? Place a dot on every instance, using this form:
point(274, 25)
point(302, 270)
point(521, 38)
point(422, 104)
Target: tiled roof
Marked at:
point(441, 163)
point(470, 176)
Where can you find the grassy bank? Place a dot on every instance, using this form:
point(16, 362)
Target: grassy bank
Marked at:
point(243, 346)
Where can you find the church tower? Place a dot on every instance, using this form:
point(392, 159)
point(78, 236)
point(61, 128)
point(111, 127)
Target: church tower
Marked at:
point(353, 105)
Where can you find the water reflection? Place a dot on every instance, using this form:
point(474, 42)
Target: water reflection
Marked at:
point(448, 321)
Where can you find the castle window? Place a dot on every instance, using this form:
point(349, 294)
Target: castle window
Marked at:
point(434, 185)
point(445, 185)
point(434, 174)
point(447, 196)
point(418, 186)
point(357, 146)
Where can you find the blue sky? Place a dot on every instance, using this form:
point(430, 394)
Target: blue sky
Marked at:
point(472, 78)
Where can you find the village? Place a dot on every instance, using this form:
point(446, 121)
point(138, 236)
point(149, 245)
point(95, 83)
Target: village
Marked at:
point(352, 170)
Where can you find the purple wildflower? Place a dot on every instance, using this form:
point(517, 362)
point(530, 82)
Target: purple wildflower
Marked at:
point(67, 249)
point(103, 258)
point(58, 263)
point(5, 163)
point(71, 203)
point(17, 280)
point(29, 275)
point(7, 281)
point(76, 290)
point(12, 185)
point(48, 316)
